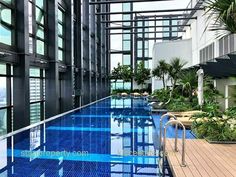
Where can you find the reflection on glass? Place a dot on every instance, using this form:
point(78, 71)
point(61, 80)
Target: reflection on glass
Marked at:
point(3, 69)
point(5, 35)
point(60, 55)
point(5, 15)
point(35, 113)
point(39, 16)
point(40, 32)
point(3, 91)
point(3, 122)
point(39, 3)
point(40, 47)
point(34, 89)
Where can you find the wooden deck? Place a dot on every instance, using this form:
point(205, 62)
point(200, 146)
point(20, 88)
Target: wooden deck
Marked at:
point(203, 159)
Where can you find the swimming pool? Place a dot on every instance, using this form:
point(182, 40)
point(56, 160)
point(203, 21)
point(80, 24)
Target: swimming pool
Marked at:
point(110, 138)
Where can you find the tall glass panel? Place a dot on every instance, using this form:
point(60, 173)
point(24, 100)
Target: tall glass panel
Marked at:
point(61, 33)
point(5, 24)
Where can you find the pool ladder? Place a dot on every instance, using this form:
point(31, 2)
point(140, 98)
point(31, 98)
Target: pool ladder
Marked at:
point(162, 143)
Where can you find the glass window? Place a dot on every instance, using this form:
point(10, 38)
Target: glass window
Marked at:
point(126, 45)
point(3, 69)
point(60, 29)
point(7, 1)
point(127, 85)
point(60, 42)
point(35, 89)
point(126, 7)
point(126, 60)
point(3, 91)
point(60, 15)
point(126, 17)
point(61, 33)
point(39, 16)
point(60, 55)
point(39, 3)
point(5, 14)
point(3, 122)
point(140, 44)
point(40, 32)
point(30, 6)
point(31, 49)
point(34, 72)
point(35, 113)
point(37, 94)
point(40, 47)
point(5, 35)
point(140, 53)
point(126, 36)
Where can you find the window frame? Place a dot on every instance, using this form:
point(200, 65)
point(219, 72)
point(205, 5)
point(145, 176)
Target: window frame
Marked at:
point(10, 27)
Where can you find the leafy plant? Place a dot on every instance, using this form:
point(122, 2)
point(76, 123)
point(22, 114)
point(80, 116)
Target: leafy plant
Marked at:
point(116, 73)
point(161, 71)
point(142, 74)
point(216, 125)
point(174, 70)
point(126, 73)
point(189, 82)
point(223, 13)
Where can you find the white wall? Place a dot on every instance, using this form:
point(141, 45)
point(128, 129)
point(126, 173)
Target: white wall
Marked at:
point(169, 50)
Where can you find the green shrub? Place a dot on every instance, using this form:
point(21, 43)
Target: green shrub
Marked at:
point(216, 125)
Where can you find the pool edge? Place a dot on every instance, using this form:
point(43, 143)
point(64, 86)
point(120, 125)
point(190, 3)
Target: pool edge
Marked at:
point(49, 119)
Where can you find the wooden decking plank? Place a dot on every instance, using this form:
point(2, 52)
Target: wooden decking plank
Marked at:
point(225, 165)
point(211, 158)
point(203, 159)
point(186, 169)
point(178, 171)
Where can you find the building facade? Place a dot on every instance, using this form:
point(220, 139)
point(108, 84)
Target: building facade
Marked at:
point(53, 58)
point(213, 53)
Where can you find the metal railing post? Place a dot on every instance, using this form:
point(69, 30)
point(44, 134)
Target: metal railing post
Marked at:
point(183, 162)
point(176, 129)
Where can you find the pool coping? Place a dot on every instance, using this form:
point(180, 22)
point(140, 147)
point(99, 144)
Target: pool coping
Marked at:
point(48, 120)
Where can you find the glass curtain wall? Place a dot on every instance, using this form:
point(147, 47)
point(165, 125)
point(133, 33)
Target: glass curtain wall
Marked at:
point(6, 23)
point(37, 21)
point(126, 44)
point(37, 95)
point(5, 98)
point(61, 33)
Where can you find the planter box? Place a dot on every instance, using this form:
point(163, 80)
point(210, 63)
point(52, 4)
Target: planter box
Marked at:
point(220, 142)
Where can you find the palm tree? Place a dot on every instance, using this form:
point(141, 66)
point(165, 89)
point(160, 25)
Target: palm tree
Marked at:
point(175, 68)
point(161, 71)
point(223, 13)
point(142, 74)
point(189, 82)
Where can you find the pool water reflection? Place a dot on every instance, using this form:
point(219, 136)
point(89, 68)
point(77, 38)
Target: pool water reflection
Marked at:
point(113, 137)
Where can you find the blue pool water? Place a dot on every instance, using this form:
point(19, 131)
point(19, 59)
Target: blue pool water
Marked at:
point(111, 138)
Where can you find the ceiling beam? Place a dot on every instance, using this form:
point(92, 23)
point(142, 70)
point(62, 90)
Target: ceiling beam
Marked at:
point(131, 27)
point(149, 32)
point(123, 1)
point(149, 11)
point(141, 20)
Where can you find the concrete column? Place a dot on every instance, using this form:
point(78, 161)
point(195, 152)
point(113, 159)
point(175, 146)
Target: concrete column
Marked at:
point(52, 73)
point(67, 99)
point(21, 97)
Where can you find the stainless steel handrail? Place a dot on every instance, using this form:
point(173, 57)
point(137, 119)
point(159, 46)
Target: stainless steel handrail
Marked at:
point(176, 129)
point(183, 163)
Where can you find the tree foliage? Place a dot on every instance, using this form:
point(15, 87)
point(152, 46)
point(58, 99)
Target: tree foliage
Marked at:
point(142, 74)
point(161, 71)
point(223, 15)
